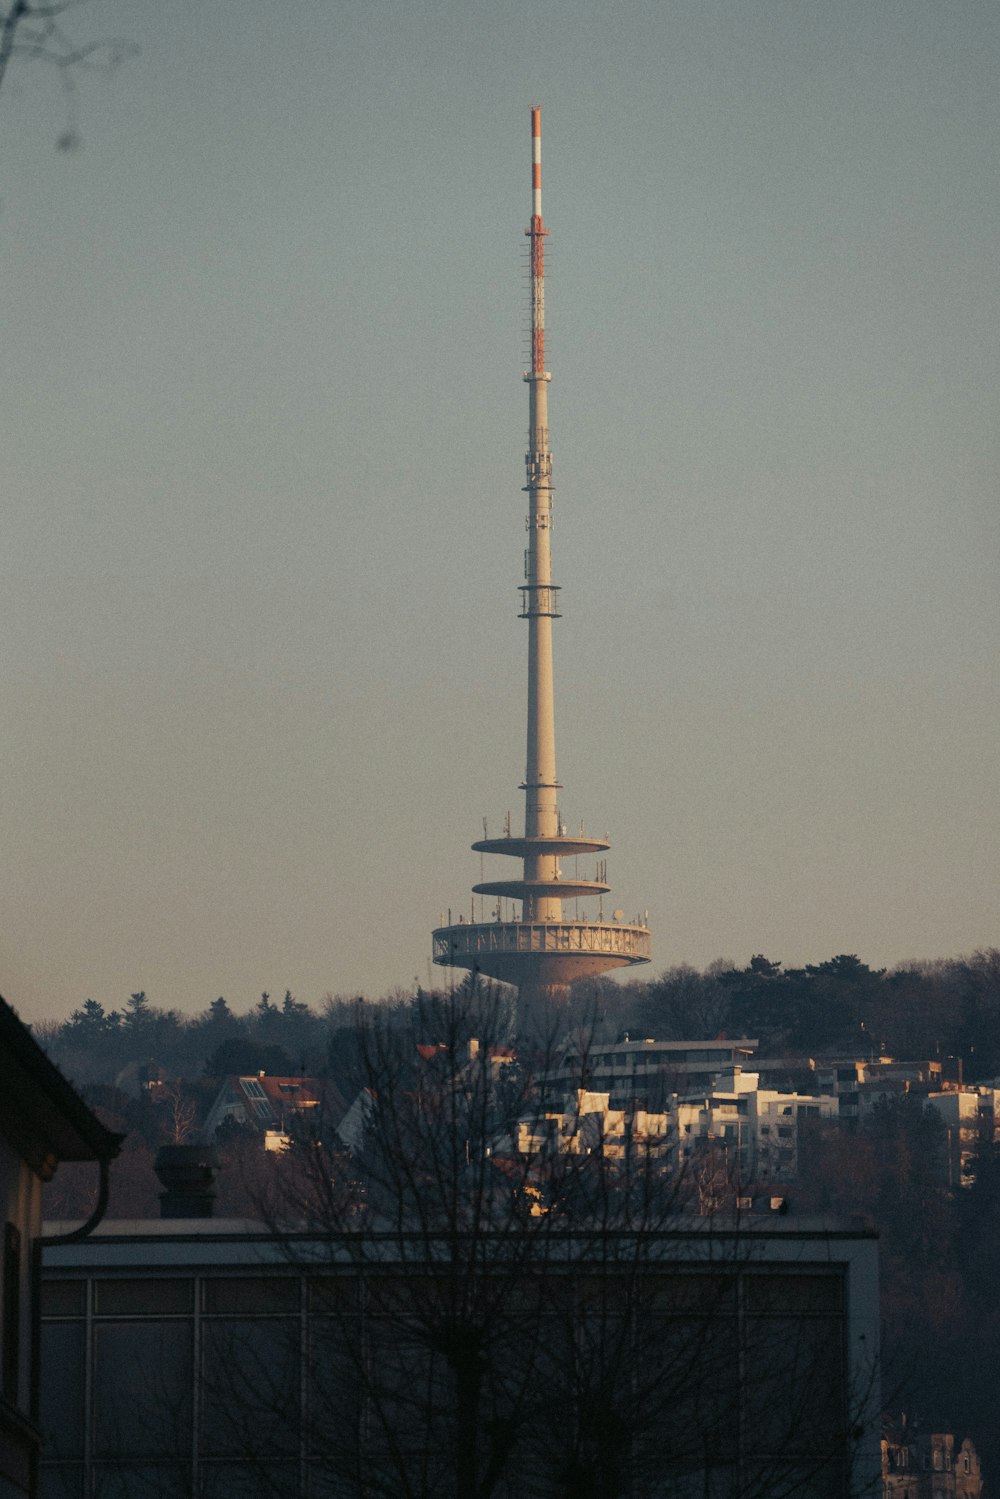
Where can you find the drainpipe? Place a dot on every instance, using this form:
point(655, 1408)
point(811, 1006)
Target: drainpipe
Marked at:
point(44, 1242)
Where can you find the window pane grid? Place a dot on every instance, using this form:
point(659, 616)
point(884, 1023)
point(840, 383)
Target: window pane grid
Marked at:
point(216, 1339)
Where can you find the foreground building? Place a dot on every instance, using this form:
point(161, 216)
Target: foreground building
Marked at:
point(42, 1122)
point(216, 1358)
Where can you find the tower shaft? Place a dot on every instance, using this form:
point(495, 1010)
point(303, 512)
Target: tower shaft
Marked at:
point(541, 810)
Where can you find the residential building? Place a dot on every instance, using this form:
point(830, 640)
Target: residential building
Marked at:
point(271, 1106)
point(756, 1130)
point(969, 1112)
point(858, 1084)
point(647, 1070)
point(42, 1122)
point(969, 1116)
point(931, 1465)
point(589, 1123)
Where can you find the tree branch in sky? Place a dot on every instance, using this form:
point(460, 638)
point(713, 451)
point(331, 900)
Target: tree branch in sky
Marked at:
point(37, 32)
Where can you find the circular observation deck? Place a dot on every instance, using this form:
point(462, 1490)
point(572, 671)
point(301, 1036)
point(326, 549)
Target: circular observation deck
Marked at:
point(547, 953)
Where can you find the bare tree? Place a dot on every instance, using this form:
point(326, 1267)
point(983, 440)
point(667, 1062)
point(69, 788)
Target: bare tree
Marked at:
point(558, 1321)
point(38, 33)
point(181, 1112)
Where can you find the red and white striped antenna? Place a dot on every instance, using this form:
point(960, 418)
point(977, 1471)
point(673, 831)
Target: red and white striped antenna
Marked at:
point(537, 233)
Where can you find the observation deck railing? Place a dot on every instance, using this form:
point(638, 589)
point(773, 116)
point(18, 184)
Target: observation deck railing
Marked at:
point(467, 940)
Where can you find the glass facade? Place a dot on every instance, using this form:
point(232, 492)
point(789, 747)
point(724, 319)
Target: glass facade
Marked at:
point(297, 1382)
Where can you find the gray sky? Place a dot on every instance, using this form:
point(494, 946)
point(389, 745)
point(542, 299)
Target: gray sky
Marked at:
point(263, 429)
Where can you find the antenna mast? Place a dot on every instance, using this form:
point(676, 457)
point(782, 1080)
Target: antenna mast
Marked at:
point(538, 593)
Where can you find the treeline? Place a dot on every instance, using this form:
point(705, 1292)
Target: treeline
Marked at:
point(945, 1008)
point(949, 1008)
point(121, 1047)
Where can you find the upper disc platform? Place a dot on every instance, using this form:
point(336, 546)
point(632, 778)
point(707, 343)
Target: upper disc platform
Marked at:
point(522, 889)
point(526, 848)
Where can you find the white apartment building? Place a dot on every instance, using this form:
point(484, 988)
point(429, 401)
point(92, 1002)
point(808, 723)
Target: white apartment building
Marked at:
point(755, 1129)
point(970, 1120)
point(969, 1112)
point(588, 1123)
point(648, 1069)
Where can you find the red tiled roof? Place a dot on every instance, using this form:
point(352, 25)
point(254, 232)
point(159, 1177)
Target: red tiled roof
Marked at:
point(284, 1090)
point(284, 1095)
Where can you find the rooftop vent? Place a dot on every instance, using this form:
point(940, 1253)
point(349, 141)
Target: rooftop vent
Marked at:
point(188, 1175)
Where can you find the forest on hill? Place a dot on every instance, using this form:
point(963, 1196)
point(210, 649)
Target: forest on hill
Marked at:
point(947, 1009)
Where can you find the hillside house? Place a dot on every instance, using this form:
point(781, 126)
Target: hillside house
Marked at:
point(276, 1108)
point(931, 1465)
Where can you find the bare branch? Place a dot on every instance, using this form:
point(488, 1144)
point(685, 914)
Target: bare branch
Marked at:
point(34, 32)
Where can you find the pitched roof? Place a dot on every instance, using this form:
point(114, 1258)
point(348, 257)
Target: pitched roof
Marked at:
point(266, 1099)
point(282, 1092)
point(41, 1114)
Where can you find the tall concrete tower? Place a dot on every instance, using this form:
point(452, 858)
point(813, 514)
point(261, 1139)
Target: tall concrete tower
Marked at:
point(543, 950)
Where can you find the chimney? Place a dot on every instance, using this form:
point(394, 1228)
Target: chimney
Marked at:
point(188, 1174)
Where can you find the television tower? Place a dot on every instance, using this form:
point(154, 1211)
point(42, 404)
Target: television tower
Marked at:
point(542, 951)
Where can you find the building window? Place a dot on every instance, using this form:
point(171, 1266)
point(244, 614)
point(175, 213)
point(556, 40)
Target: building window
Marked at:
point(223, 1383)
point(146, 1297)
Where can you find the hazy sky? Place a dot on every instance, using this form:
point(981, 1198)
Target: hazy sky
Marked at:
point(263, 431)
